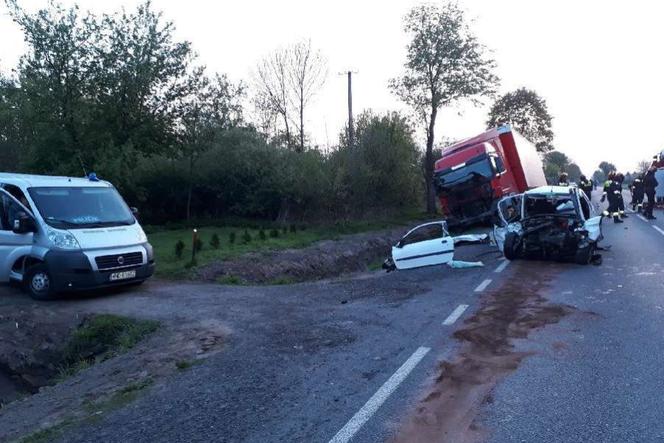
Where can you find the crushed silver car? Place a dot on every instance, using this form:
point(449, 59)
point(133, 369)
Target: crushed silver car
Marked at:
point(549, 223)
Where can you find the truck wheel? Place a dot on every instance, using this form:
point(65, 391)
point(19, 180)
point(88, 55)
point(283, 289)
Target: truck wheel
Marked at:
point(37, 283)
point(584, 256)
point(511, 246)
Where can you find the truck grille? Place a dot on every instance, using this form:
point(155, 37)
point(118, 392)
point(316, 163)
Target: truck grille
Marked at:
point(119, 260)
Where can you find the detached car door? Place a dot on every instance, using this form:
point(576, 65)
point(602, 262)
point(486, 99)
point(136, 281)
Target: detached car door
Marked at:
point(424, 245)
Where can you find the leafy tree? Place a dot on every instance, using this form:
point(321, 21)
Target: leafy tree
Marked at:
point(444, 64)
point(9, 125)
point(555, 162)
point(643, 166)
point(381, 170)
point(607, 167)
point(599, 177)
point(573, 172)
point(527, 112)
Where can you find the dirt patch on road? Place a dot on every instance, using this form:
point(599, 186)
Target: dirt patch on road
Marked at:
point(487, 354)
point(324, 259)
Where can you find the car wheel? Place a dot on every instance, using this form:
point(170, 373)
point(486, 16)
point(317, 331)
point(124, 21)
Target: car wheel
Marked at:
point(37, 282)
point(511, 246)
point(584, 255)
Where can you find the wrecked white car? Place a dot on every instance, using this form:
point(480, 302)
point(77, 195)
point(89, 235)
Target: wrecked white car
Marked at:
point(550, 223)
point(427, 245)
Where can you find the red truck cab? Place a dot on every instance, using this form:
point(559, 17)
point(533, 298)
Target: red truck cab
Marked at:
point(473, 174)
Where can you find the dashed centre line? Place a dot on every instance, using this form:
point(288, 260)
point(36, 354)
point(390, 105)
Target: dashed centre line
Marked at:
point(372, 405)
point(501, 267)
point(454, 316)
point(482, 286)
point(642, 218)
point(658, 229)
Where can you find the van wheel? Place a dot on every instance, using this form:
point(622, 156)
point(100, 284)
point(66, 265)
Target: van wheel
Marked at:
point(511, 246)
point(37, 283)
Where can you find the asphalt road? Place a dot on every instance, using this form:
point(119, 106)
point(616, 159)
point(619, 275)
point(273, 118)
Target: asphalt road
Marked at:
point(353, 360)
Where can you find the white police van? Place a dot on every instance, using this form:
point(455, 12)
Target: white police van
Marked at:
point(60, 234)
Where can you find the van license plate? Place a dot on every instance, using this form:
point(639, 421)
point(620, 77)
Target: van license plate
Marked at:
point(122, 275)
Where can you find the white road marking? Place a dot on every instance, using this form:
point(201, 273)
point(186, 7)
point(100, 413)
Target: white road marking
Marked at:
point(371, 406)
point(658, 229)
point(630, 211)
point(642, 218)
point(482, 286)
point(454, 316)
point(501, 267)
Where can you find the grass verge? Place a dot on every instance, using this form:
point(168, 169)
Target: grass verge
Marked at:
point(234, 241)
point(100, 338)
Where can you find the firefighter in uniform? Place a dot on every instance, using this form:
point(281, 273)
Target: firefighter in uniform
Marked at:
point(586, 185)
point(607, 183)
point(613, 195)
point(563, 180)
point(649, 185)
point(637, 193)
point(620, 178)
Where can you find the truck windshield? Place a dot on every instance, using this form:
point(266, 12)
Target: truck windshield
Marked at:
point(77, 207)
point(481, 168)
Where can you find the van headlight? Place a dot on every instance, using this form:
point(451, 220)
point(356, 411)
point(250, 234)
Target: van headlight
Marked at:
point(142, 238)
point(62, 239)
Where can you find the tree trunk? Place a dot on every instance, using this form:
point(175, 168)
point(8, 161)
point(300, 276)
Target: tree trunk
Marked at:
point(302, 123)
point(191, 186)
point(288, 134)
point(428, 167)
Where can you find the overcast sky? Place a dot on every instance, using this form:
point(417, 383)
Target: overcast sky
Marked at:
point(597, 63)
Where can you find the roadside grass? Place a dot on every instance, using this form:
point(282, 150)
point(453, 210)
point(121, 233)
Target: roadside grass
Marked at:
point(221, 243)
point(99, 338)
point(376, 265)
point(96, 410)
point(183, 365)
point(48, 434)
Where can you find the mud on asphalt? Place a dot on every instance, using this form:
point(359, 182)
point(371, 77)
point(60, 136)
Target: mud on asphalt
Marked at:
point(486, 355)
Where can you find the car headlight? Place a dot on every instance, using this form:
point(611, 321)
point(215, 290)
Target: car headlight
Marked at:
point(62, 239)
point(142, 238)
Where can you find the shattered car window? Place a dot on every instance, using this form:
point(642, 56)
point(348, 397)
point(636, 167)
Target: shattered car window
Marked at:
point(424, 233)
point(549, 205)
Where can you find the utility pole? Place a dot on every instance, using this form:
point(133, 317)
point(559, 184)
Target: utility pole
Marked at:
point(351, 126)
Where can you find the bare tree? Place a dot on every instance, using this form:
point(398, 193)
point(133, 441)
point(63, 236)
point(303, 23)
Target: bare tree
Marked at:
point(286, 82)
point(307, 74)
point(272, 81)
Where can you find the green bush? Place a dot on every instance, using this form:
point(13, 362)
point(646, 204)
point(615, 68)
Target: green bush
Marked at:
point(179, 249)
point(293, 229)
point(274, 233)
point(246, 237)
point(214, 241)
point(231, 238)
point(261, 235)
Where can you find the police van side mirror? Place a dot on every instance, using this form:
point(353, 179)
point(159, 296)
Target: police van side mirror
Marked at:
point(24, 224)
point(134, 210)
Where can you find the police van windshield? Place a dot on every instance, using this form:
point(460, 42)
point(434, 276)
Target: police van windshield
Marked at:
point(77, 207)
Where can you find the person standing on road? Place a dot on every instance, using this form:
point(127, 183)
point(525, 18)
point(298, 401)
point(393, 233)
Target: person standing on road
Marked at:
point(563, 179)
point(586, 185)
point(611, 192)
point(620, 178)
point(637, 193)
point(649, 186)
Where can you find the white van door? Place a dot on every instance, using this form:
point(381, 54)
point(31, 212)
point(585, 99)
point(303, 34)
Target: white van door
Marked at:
point(425, 245)
point(11, 243)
